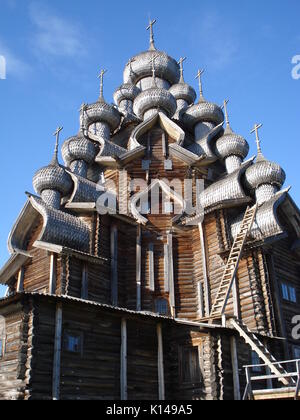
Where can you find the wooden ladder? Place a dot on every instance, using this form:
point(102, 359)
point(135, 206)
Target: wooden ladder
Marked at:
point(229, 274)
point(264, 354)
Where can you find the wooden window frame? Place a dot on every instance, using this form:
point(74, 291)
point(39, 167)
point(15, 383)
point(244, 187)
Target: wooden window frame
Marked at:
point(291, 293)
point(66, 336)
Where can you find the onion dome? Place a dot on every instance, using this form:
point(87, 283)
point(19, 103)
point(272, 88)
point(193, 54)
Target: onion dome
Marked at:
point(265, 172)
point(265, 177)
point(184, 94)
point(101, 112)
point(231, 147)
point(151, 100)
point(125, 95)
point(183, 91)
point(139, 67)
point(78, 152)
point(53, 182)
point(203, 111)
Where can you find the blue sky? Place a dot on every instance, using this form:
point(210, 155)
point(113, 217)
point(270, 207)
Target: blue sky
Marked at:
point(55, 49)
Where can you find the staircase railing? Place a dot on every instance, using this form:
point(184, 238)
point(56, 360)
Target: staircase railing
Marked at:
point(250, 377)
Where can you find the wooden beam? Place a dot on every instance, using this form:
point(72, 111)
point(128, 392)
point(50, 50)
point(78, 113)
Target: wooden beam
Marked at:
point(166, 268)
point(235, 370)
point(161, 374)
point(85, 282)
point(171, 273)
point(235, 295)
point(201, 300)
point(114, 264)
point(139, 268)
point(151, 267)
point(52, 280)
point(123, 376)
point(20, 284)
point(57, 353)
point(205, 273)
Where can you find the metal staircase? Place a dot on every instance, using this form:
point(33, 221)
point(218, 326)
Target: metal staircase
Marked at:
point(264, 354)
point(225, 287)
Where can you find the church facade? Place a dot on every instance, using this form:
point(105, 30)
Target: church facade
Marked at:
point(157, 262)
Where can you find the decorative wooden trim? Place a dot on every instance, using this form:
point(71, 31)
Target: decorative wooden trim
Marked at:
point(161, 374)
point(57, 353)
point(123, 376)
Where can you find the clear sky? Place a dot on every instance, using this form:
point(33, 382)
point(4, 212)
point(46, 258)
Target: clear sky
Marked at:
point(55, 49)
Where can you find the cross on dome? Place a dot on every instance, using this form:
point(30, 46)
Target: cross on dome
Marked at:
point(199, 77)
point(258, 141)
point(150, 27)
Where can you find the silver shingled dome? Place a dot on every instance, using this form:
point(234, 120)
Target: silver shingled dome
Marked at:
point(264, 172)
point(78, 148)
point(231, 144)
point(155, 98)
point(140, 67)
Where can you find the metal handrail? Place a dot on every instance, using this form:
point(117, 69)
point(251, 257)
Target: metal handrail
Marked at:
point(250, 378)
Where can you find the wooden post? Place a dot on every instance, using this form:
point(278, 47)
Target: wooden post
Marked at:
point(84, 284)
point(123, 376)
point(57, 353)
point(151, 267)
point(171, 273)
point(139, 269)
point(166, 268)
point(114, 264)
point(161, 374)
point(52, 280)
point(205, 274)
point(20, 285)
point(235, 370)
point(201, 300)
point(235, 294)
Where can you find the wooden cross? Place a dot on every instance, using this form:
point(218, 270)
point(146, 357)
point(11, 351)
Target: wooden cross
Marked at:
point(56, 134)
point(180, 62)
point(101, 76)
point(83, 107)
point(199, 77)
point(226, 101)
point(255, 130)
point(150, 27)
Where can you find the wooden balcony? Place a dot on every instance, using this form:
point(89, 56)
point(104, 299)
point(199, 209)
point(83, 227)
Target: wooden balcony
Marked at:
point(274, 389)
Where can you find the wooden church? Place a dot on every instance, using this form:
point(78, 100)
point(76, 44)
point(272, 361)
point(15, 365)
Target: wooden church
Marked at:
point(110, 299)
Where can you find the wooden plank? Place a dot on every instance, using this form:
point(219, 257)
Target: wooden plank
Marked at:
point(52, 280)
point(85, 280)
point(57, 353)
point(161, 374)
point(123, 376)
point(151, 267)
point(205, 272)
point(139, 268)
point(20, 284)
point(114, 264)
point(171, 274)
point(235, 369)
